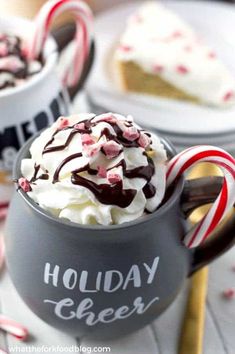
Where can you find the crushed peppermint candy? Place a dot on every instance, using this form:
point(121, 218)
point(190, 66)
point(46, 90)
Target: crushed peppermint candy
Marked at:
point(125, 48)
point(229, 293)
point(3, 49)
point(91, 150)
point(131, 133)
point(211, 55)
point(106, 117)
point(79, 126)
point(228, 96)
point(158, 68)
point(144, 141)
point(87, 139)
point(114, 176)
point(63, 123)
point(181, 69)
point(102, 172)
point(111, 149)
point(24, 184)
point(177, 34)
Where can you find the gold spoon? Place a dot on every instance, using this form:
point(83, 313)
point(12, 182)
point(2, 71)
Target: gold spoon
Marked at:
point(191, 339)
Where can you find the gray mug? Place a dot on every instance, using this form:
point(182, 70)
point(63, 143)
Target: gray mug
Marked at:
point(107, 281)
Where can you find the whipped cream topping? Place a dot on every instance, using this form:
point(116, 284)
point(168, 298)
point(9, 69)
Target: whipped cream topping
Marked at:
point(14, 66)
point(163, 44)
point(95, 169)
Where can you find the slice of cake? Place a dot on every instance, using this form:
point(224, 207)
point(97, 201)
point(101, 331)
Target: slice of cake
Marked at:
point(160, 54)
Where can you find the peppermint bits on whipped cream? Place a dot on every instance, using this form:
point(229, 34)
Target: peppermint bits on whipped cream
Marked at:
point(100, 169)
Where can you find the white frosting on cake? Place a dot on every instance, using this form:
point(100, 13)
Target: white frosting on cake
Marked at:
point(161, 43)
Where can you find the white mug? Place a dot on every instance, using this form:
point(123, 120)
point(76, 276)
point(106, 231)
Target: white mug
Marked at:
point(30, 107)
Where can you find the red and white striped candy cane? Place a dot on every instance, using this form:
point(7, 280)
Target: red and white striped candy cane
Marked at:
point(2, 251)
point(3, 213)
point(84, 32)
point(12, 327)
point(2, 351)
point(225, 200)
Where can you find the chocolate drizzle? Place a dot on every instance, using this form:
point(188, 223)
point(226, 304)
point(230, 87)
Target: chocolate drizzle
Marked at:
point(109, 194)
point(35, 177)
point(106, 193)
point(49, 148)
point(118, 138)
point(62, 164)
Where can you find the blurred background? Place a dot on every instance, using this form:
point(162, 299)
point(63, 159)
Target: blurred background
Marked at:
point(28, 8)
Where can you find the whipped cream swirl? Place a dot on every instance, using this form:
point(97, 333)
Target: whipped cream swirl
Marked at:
point(96, 169)
point(15, 68)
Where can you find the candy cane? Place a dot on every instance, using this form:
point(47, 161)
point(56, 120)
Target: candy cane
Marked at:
point(3, 213)
point(84, 31)
point(225, 200)
point(12, 327)
point(2, 351)
point(2, 251)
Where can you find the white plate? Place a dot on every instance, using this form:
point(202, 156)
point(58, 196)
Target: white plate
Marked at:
point(215, 22)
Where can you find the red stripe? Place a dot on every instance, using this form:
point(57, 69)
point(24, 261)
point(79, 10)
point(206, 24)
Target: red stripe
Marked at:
point(222, 203)
point(202, 155)
point(49, 18)
point(196, 231)
point(176, 159)
point(56, 6)
point(219, 211)
point(4, 205)
point(210, 153)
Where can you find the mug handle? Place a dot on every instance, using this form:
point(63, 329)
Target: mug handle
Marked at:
point(198, 192)
point(63, 35)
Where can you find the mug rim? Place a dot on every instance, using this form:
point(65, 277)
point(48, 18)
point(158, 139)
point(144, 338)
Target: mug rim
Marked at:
point(49, 52)
point(97, 227)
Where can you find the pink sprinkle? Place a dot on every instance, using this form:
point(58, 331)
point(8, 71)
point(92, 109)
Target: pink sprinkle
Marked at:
point(102, 172)
point(181, 69)
point(229, 294)
point(80, 126)
point(131, 134)
point(11, 63)
point(25, 51)
point(91, 150)
point(113, 177)
point(212, 55)
point(177, 34)
point(228, 96)
point(158, 68)
point(125, 48)
point(3, 49)
point(87, 139)
point(111, 149)
point(188, 48)
point(24, 184)
point(107, 117)
point(137, 19)
point(63, 123)
point(143, 140)
point(2, 36)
